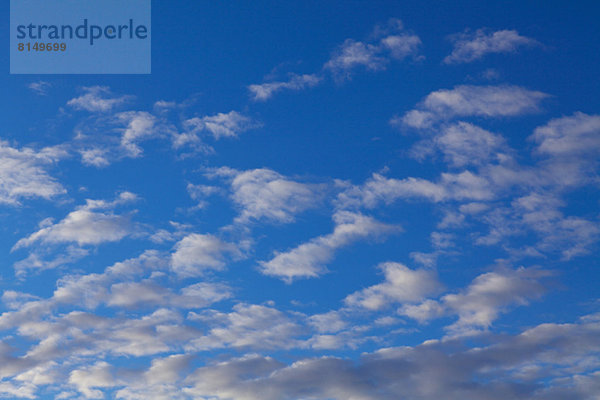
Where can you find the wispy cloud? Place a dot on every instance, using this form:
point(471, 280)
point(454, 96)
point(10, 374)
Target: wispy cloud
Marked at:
point(309, 260)
point(24, 173)
point(471, 46)
point(264, 91)
point(263, 194)
point(389, 42)
point(386, 43)
point(40, 87)
point(472, 101)
point(97, 99)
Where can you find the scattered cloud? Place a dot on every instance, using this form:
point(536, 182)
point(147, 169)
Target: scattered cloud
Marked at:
point(472, 101)
point(24, 173)
point(401, 285)
point(97, 99)
point(247, 326)
point(483, 300)
point(263, 194)
point(471, 46)
point(264, 91)
point(196, 253)
point(40, 87)
point(431, 370)
point(309, 259)
point(85, 225)
point(574, 136)
point(463, 144)
point(390, 42)
point(222, 125)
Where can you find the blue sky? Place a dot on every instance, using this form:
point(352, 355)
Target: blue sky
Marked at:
point(361, 200)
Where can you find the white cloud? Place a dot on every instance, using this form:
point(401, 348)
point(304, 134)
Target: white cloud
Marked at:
point(150, 294)
point(222, 125)
point(40, 87)
point(168, 369)
point(329, 322)
point(23, 173)
point(197, 253)
point(574, 136)
point(563, 359)
point(478, 305)
point(101, 140)
point(479, 101)
point(352, 54)
point(90, 379)
point(309, 259)
point(263, 194)
point(97, 99)
point(247, 326)
point(465, 144)
point(140, 125)
point(264, 91)
point(390, 42)
point(85, 225)
point(540, 213)
point(37, 262)
point(401, 285)
point(201, 192)
point(473, 46)
point(379, 189)
point(15, 300)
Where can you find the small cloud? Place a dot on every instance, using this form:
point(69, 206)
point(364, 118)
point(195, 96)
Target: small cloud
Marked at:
point(97, 99)
point(264, 91)
point(386, 43)
point(473, 46)
point(40, 87)
point(472, 101)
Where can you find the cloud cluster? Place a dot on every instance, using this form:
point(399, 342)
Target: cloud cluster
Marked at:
point(387, 42)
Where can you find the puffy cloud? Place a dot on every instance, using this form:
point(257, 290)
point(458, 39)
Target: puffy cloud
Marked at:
point(263, 194)
point(103, 139)
point(264, 91)
point(309, 259)
point(401, 285)
point(97, 99)
point(196, 253)
point(222, 125)
point(380, 189)
point(478, 305)
point(476, 101)
point(464, 144)
point(90, 379)
point(140, 125)
point(539, 212)
point(85, 226)
point(352, 54)
point(149, 294)
point(390, 42)
point(23, 173)
point(574, 136)
point(558, 357)
point(247, 326)
point(473, 46)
